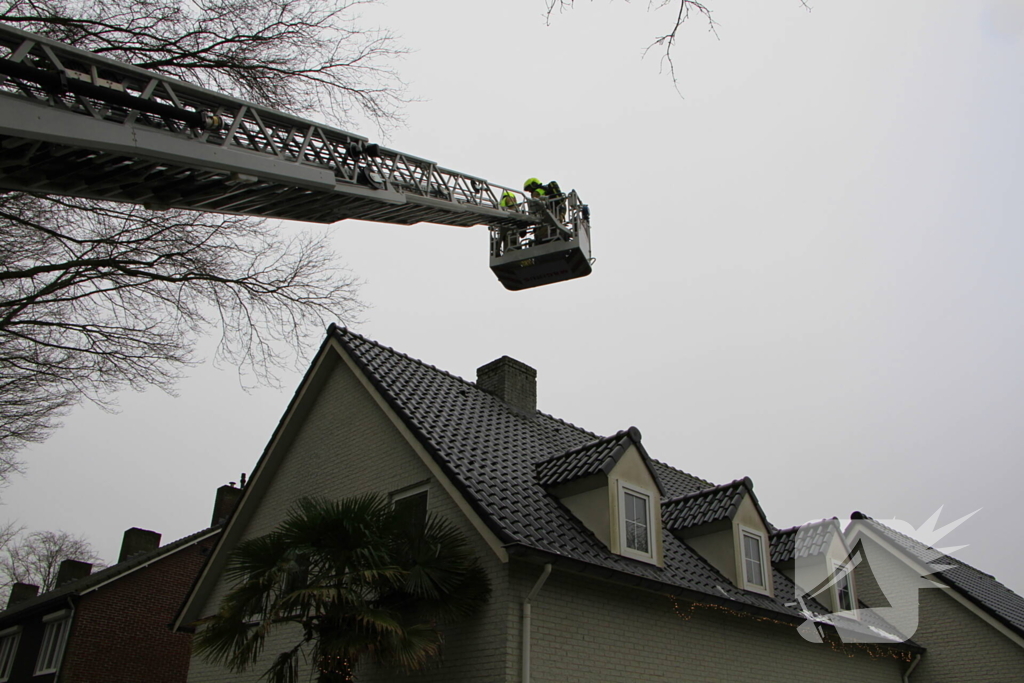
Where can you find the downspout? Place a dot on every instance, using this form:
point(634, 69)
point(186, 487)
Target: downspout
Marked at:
point(526, 620)
point(910, 669)
point(67, 637)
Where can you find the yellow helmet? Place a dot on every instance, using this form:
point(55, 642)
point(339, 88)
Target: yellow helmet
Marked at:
point(531, 184)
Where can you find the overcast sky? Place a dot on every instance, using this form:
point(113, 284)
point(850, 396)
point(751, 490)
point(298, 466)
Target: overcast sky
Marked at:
point(808, 264)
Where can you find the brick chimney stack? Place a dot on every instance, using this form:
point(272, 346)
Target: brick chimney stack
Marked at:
point(510, 380)
point(20, 592)
point(72, 570)
point(137, 541)
point(227, 498)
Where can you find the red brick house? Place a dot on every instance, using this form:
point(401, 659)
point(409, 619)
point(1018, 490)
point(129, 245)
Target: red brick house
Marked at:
point(112, 626)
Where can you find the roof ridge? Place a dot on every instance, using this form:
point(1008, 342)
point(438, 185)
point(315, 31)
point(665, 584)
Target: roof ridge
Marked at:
point(823, 520)
point(921, 543)
point(579, 449)
point(676, 469)
point(745, 481)
point(345, 331)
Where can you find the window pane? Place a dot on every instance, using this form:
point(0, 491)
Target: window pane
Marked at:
point(53, 641)
point(413, 510)
point(7, 649)
point(635, 514)
point(752, 560)
point(843, 591)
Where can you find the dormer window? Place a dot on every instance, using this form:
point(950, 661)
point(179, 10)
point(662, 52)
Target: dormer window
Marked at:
point(843, 586)
point(754, 561)
point(611, 487)
point(635, 505)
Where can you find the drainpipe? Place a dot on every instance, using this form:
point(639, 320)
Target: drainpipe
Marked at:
point(526, 620)
point(910, 669)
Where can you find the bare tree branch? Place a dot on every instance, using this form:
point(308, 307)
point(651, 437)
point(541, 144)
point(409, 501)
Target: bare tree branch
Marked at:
point(35, 558)
point(95, 298)
point(98, 297)
point(668, 40)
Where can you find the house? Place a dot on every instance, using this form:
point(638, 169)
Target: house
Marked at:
point(113, 625)
point(606, 564)
point(971, 625)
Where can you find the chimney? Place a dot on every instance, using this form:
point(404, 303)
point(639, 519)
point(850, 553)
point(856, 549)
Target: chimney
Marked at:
point(20, 592)
point(72, 570)
point(137, 541)
point(224, 505)
point(513, 382)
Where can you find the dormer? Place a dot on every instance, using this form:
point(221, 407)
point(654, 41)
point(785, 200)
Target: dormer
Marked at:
point(816, 557)
point(726, 526)
point(610, 485)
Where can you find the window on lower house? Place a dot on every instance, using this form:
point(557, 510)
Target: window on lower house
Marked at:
point(8, 648)
point(755, 564)
point(56, 634)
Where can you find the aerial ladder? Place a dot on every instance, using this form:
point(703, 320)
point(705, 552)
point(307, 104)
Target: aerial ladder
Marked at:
point(78, 124)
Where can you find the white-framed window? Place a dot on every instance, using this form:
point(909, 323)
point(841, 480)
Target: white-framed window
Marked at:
point(8, 648)
point(54, 637)
point(636, 524)
point(842, 587)
point(755, 569)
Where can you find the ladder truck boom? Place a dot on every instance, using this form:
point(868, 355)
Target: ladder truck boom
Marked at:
point(79, 124)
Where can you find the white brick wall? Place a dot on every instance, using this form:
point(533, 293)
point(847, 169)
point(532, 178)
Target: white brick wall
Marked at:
point(961, 645)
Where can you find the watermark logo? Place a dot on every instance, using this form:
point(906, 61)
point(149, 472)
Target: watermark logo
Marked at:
point(884, 563)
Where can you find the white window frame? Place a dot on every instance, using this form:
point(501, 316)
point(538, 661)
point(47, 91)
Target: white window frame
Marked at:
point(766, 568)
point(55, 637)
point(410, 492)
point(9, 639)
point(836, 568)
point(647, 496)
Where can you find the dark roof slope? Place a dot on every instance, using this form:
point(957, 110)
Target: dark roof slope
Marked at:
point(803, 541)
point(704, 507)
point(980, 588)
point(597, 456)
point(490, 451)
point(113, 572)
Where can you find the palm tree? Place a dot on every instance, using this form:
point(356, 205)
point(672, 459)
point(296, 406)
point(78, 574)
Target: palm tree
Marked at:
point(359, 578)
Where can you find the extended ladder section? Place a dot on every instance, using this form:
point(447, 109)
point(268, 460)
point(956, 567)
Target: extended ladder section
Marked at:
point(78, 124)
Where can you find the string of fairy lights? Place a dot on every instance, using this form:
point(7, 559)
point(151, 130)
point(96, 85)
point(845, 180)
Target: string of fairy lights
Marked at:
point(873, 650)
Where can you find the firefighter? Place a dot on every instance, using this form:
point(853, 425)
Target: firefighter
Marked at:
point(538, 190)
point(509, 201)
point(550, 194)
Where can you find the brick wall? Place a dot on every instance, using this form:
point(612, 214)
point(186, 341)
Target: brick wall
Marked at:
point(121, 632)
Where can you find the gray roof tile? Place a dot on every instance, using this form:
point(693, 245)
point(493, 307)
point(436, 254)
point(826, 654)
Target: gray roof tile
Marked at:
point(597, 456)
point(490, 451)
point(803, 541)
point(980, 588)
point(704, 507)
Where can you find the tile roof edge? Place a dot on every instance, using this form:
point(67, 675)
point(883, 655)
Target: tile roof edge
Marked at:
point(339, 332)
point(946, 580)
point(428, 445)
point(691, 476)
point(796, 527)
point(579, 449)
point(703, 492)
